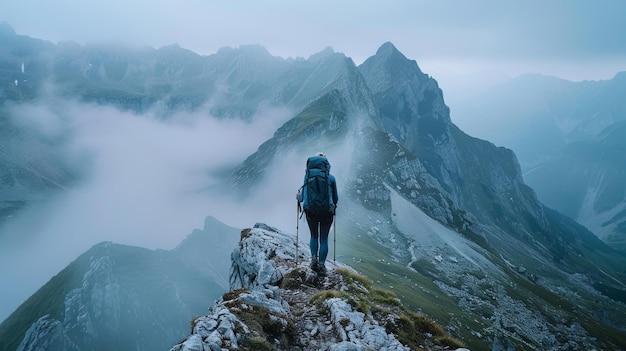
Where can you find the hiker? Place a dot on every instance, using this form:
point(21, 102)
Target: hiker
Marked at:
point(319, 198)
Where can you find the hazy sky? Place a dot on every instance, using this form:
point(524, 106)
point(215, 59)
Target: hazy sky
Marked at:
point(572, 39)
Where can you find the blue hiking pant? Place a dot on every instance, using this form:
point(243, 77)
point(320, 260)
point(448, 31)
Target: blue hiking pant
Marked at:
point(319, 225)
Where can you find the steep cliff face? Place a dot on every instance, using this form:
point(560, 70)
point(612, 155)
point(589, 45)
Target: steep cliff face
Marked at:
point(277, 303)
point(477, 176)
point(410, 102)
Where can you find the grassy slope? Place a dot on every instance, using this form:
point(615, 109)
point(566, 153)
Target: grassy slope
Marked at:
point(416, 290)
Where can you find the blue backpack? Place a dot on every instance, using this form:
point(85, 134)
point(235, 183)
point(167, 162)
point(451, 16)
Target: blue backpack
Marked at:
point(317, 189)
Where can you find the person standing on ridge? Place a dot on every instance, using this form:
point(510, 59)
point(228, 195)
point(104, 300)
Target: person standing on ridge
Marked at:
point(319, 198)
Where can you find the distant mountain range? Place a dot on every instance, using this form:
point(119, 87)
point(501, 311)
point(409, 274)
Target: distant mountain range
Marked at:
point(567, 136)
point(443, 219)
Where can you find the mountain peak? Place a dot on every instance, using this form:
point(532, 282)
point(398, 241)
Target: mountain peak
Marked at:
point(390, 52)
point(389, 58)
point(387, 49)
point(253, 50)
point(326, 53)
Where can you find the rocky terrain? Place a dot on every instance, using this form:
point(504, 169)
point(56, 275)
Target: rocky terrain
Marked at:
point(277, 303)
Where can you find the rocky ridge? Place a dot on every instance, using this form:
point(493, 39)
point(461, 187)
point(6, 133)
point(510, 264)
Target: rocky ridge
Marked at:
point(121, 297)
point(277, 303)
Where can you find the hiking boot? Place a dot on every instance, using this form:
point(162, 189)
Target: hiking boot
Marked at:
point(321, 269)
point(314, 264)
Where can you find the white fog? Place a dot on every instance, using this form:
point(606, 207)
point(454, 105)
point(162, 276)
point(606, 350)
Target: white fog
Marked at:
point(144, 184)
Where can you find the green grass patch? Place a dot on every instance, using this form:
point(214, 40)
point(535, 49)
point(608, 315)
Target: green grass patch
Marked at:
point(412, 329)
point(192, 322)
point(385, 297)
point(326, 294)
point(355, 278)
point(233, 294)
point(255, 343)
point(319, 113)
point(278, 330)
point(449, 342)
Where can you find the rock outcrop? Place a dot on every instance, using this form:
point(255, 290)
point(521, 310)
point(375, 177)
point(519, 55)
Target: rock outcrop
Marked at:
point(47, 334)
point(277, 302)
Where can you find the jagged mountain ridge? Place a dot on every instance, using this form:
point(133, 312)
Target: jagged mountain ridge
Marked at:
point(116, 297)
point(232, 83)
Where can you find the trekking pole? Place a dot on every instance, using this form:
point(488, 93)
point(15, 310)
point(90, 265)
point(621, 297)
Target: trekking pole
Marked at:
point(297, 229)
point(335, 237)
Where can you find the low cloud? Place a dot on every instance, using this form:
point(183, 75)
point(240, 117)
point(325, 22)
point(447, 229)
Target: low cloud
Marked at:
point(142, 184)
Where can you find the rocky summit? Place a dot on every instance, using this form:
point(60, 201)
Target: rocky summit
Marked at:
point(277, 302)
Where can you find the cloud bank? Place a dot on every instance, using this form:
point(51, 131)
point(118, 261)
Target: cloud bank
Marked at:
point(142, 183)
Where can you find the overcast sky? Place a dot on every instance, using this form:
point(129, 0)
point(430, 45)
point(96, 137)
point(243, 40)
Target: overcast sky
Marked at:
point(571, 39)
